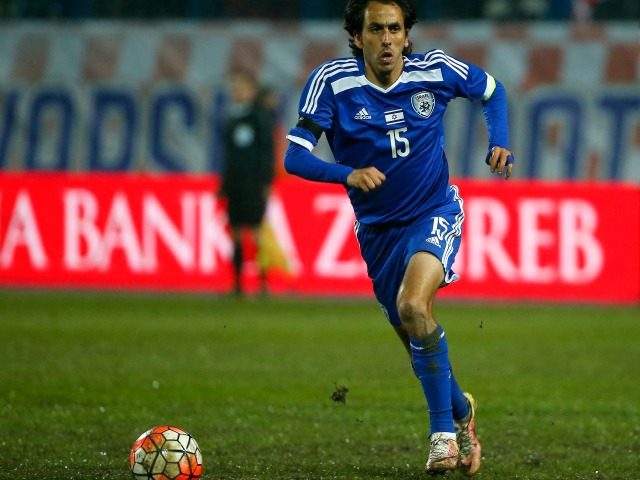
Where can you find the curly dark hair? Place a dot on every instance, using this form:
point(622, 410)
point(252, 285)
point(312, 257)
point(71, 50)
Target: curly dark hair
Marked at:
point(354, 20)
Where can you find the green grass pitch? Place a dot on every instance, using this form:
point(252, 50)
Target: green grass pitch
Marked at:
point(82, 375)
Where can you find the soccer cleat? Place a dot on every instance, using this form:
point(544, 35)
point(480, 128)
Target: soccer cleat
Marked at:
point(443, 454)
point(470, 450)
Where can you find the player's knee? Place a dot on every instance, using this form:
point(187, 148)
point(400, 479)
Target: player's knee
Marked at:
point(413, 316)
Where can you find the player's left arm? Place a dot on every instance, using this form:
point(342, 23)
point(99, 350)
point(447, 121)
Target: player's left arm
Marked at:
point(494, 107)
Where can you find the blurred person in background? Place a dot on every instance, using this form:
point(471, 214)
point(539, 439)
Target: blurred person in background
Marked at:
point(576, 10)
point(248, 165)
point(382, 113)
point(616, 9)
point(523, 10)
point(502, 10)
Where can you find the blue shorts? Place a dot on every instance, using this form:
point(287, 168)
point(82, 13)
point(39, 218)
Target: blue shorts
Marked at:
point(387, 250)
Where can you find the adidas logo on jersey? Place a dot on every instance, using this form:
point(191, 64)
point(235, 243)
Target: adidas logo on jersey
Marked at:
point(434, 240)
point(362, 115)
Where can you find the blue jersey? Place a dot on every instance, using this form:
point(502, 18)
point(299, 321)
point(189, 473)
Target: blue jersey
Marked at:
point(399, 130)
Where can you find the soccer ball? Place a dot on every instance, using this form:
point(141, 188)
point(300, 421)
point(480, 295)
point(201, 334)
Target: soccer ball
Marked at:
point(165, 453)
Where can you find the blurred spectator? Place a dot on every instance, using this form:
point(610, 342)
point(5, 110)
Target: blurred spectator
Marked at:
point(500, 10)
point(320, 9)
point(459, 9)
point(72, 9)
point(583, 9)
point(616, 10)
point(505, 10)
point(560, 9)
point(579, 10)
point(430, 10)
point(276, 9)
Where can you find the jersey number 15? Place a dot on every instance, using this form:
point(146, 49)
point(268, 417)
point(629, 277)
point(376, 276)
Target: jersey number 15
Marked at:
point(399, 144)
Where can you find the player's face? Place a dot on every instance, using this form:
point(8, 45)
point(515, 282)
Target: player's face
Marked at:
point(382, 40)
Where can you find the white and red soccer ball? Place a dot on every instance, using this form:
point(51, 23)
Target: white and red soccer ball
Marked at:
point(165, 453)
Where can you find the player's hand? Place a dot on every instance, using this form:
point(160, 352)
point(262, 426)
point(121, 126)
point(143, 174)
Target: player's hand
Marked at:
point(366, 179)
point(500, 160)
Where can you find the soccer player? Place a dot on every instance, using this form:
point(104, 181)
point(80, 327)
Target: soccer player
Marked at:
point(382, 113)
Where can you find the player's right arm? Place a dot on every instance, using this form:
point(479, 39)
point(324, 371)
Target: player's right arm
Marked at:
point(317, 114)
point(300, 161)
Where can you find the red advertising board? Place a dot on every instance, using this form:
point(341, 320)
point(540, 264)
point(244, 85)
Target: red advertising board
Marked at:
point(576, 242)
point(551, 241)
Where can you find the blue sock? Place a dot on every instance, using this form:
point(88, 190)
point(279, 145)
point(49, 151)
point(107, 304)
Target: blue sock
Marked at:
point(459, 402)
point(431, 364)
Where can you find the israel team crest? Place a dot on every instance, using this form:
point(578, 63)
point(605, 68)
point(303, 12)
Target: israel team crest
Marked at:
point(423, 103)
